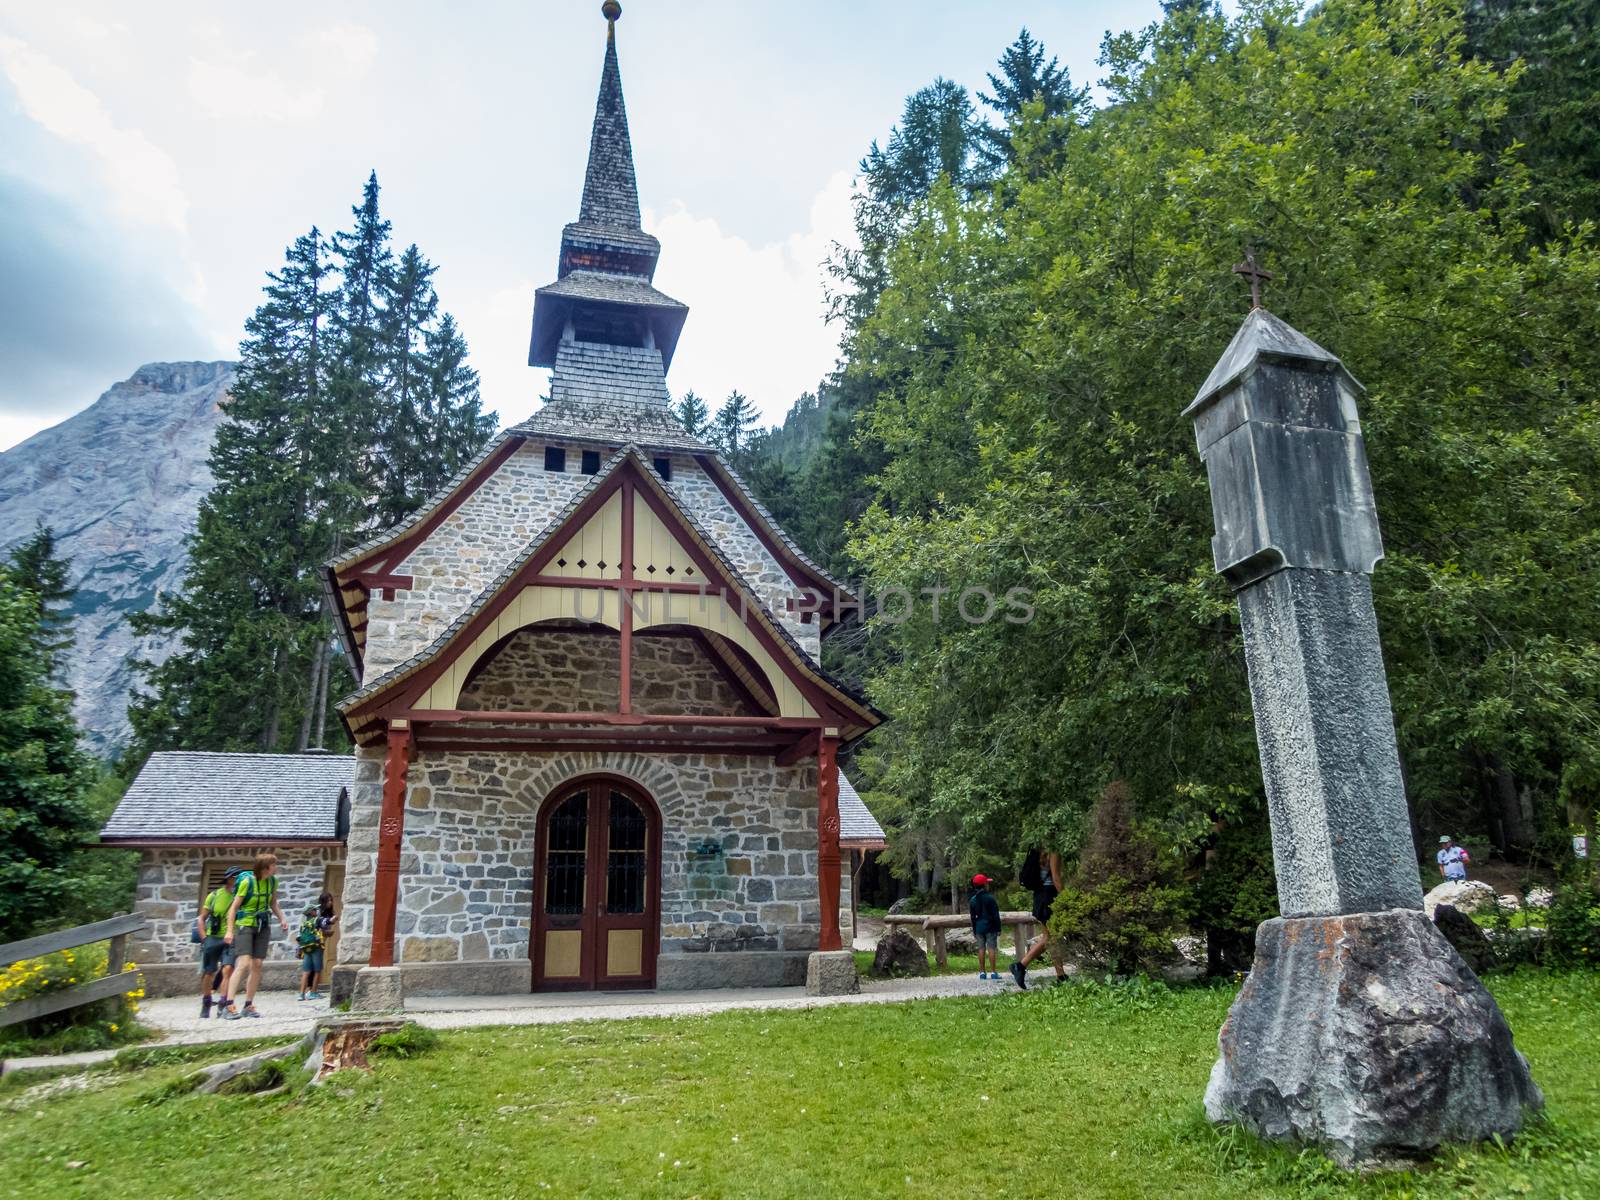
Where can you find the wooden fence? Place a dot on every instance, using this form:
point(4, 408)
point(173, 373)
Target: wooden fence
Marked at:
point(115, 982)
point(936, 927)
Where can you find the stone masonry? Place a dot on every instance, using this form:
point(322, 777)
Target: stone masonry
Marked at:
point(510, 509)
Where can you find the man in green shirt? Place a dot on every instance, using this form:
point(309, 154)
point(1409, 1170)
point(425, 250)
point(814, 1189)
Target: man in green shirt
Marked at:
point(255, 903)
point(216, 955)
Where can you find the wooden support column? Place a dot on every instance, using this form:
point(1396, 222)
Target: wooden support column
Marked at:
point(625, 594)
point(391, 826)
point(828, 839)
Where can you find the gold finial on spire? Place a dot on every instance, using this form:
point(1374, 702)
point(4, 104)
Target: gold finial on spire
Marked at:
point(611, 10)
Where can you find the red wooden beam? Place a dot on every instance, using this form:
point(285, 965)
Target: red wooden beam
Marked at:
point(621, 746)
point(605, 718)
point(828, 842)
point(391, 826)
point(804, 747)
point(572, 581)
point(666, 737)
point(797, 571)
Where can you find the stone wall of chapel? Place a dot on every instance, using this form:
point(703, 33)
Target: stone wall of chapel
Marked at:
point(494, 524)
point(739, 852)
point(700, 495)
point(167, 894)
point(543, 669)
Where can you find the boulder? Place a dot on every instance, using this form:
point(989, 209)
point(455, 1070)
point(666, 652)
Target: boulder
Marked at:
point(960, 941)
point(1462, 932)
point(1540, 897)
point(831, 973)
point(1509, 901)
point(900, 907)
point(1468, 895)
point(1367, 1035)
point(898, 954)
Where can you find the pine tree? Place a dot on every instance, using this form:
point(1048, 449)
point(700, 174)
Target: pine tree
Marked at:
point(732, 427)
point(36, 569)
point(248, 614)
point(44, 776)
point(403, 446)
point(1025, 79)
point(456, 424)
point(693, 413)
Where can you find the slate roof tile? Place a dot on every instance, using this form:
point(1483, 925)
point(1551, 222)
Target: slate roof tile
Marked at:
point(270, 798)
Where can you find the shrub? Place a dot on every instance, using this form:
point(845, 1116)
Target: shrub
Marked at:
point(1572, 923)
point(1124, 901)
point(96, 1026)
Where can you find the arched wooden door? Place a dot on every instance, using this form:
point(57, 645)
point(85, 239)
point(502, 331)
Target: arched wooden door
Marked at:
point(597, 888)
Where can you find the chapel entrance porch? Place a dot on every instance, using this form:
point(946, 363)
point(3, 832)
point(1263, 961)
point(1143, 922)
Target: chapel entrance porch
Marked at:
point(597, 888)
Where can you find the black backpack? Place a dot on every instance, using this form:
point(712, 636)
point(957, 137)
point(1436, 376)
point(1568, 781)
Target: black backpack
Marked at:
point(1031, 874)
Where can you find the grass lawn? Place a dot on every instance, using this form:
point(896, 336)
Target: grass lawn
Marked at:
point(1080, 1091)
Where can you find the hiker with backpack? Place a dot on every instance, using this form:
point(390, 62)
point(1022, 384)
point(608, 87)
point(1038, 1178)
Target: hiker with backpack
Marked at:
point(1041, 874)
point(216, 955)
point(311, 941)
point(255, 903)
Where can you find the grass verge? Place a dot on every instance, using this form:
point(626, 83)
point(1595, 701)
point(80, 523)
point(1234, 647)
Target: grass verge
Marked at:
point(1085, 1090)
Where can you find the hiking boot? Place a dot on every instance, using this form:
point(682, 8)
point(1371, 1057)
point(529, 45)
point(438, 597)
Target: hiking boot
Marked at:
point(1020, 974)
point(205, 1007)
point(230, 1013)
point(250, 1011)
point(301, 996)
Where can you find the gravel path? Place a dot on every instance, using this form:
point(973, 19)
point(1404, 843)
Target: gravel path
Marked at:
point(179, 1021)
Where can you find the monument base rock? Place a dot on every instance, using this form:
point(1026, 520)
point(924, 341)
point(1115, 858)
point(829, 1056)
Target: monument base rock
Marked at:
point(1367, 1035)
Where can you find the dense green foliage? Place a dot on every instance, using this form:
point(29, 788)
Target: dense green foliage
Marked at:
point(1088, 1089)
point(353, 403)
point(45, 778)
point(1008, 415)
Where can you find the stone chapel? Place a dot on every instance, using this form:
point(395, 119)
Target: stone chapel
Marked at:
point(595, 744)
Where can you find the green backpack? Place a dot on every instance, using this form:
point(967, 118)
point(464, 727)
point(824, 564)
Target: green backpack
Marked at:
point(310, 937)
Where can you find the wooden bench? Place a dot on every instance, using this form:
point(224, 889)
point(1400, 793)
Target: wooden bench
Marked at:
point(936, 928)
point(115, 982)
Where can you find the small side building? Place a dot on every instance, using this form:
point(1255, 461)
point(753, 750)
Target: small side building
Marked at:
point(194, 814)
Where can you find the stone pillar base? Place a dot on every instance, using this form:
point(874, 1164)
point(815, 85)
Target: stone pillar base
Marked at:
point(1366, 1035)
point(378, 989)
point(831, 973)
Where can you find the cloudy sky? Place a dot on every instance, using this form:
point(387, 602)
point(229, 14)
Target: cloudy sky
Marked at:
point(158, 157)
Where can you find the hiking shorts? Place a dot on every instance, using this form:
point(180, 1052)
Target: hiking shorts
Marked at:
point(311, 961)
point(254, 941)
point(215, 954)
point(988, 941)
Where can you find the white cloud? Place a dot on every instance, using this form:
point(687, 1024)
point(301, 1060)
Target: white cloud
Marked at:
point(755, 312)
point(497, 325)
point(229, 84)
point(142, 178)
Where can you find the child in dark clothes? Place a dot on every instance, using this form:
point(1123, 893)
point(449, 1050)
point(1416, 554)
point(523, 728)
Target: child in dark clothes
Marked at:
point(985, 926)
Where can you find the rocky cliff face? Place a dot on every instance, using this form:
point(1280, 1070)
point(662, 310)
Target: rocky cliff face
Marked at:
point(120, 483)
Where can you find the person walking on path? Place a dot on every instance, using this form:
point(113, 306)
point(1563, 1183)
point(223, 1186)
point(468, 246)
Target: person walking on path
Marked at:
point(1453, 859)
point(1041, 874)
point(985, 925)
point(255, 903)
point(216, 955)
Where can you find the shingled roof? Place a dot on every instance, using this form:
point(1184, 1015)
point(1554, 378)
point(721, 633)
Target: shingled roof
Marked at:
point(211, 798)
point(858, 828)
point(798, 653)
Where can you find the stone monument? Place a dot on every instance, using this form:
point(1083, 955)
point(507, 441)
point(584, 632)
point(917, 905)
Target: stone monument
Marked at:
point(1359, 1029)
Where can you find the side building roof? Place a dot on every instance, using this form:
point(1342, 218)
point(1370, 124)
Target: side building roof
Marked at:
point(858, 828)
point(200, 797)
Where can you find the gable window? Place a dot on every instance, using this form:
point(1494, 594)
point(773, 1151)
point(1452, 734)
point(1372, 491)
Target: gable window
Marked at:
point(591, 462)
point(555, 458)
point(664, 468)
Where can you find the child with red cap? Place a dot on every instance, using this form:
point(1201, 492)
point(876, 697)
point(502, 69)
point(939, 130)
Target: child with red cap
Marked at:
point(985, 926)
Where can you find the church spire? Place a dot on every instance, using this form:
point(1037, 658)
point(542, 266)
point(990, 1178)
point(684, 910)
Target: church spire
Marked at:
point(603, 293)
point(610, 191)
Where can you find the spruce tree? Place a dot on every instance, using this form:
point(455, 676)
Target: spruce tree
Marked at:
point(44, 775)
point(1024, 79)
point(43, 576)
point(410, 306)
point(248, 613)
point(456, 425)
point(732, 427)
point(693, 413)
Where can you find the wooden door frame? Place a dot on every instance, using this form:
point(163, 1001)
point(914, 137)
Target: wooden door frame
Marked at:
point(592, 969)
